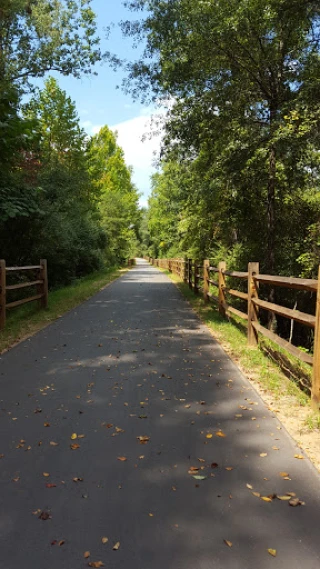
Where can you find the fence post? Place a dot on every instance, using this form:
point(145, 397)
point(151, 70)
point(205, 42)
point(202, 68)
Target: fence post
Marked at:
point(222, 283)
point(206, 284)
point(190, 273)
point(196, 283)
point(44, 286)
point(2, 294)
point(186, 270)
point(253, 269)
point(315, 389)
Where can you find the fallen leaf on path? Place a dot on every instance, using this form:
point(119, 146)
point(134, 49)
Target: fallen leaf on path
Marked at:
point(77, 479)
point(229, 467)
point(201, 460)
point(122, 458)
point(284, 474)
point(263, 454)
point(74, 446)
point(296, 502)
point(249, 486)
point(81, 436)
point(53, 444)
point(256, 494)
point(220, 434)
point(214, 465)
point(116, 546)
point(61, 542)
point(86, 554)
point(209, 436)
point(96, 564)
point(228, 543)
point(51, 485)
point(198, 477)
point(272, 552)
point(299, 456)
point(143, 440)
point(46, 474)
point(266, 499)
point(104, 539)
point(283, 498)
point(44, 516)
point(46, 424)
point(74, 436)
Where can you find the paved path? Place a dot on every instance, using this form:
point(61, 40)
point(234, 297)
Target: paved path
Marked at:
point(134, 361)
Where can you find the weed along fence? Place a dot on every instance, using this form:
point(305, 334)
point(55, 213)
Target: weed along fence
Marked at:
point(217, 285)
point(39, 280)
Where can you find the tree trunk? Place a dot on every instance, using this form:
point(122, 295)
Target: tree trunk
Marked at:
point(271, 215)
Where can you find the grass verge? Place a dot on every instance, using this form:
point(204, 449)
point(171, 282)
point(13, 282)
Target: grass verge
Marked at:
point(25, 321)
point(282, 394)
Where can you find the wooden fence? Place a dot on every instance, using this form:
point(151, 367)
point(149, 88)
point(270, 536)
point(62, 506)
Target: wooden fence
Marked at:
point(40, 281)
point(217, 286)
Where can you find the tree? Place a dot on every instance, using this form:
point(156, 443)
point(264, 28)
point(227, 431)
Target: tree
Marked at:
point(37, 36)
point(235, 70)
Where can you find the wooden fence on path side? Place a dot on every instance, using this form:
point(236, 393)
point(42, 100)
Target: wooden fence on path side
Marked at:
point(40, 281)
point(214, 284)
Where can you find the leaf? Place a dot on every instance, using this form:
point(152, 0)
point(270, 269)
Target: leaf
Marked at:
point(143, 440)
point(53, 444)
point(86, 554)
point(201, 460)
point(299, 456)
point(266, 499)
point(61, 542)
point(116, 546)
point(220, 434)
point(51, 485)
point(263, 454)
point(296, 502)
point(74, 436)
point(228, 543)
point(122, 458)
point(44, 516)
point(104, 539)
point(96, 564)
point(229, 467)
point(214, 465)
point(77, 479)
point(284, 474)
point(46, 424)
point(74, 446)
point(249, 486)
point(198, 477)
point(194, 468)
point(256, 494)
point(209, 436)
point(283, 498)
point(46, 474)
point(272, 552)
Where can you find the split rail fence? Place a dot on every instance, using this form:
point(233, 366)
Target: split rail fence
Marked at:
point(39, 276)
point(214, 284)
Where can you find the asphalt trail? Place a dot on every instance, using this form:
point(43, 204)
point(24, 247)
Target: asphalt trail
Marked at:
point(134, 361)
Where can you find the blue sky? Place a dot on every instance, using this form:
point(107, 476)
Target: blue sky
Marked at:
point(99, 102)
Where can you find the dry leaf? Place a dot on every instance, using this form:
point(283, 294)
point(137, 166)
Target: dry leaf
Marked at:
point(263, 454)
point(299, 456)
point(81, 436)
point(77, 479)
point(272, 552)
point(104, 540)
point(266, 499)
point(61, 542)
point(209, 436)
point(201, 460)
point(74, 446)
point(228, 543)
point(51, 485)
point(295, 502)
point(96, 564)
point(53, 444)
point(229, 467)
point(214, 465)
point(143, 440)
point(220, 434)
point(122, 458)
point(46, 424)
point(283, 498)
point(116, 546)
point(74, 436)
point(256, 494)
point(284, 474)
point(46, 474)
point(249, 486)
point(86, 554)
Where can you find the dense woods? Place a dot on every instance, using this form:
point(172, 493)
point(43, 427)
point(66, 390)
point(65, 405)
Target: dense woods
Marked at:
point(64, 196)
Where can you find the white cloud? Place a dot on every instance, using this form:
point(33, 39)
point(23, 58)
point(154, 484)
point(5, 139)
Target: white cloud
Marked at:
point(140, 138)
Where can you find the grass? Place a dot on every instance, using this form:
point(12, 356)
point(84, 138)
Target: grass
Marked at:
point(28, 319)
point(254, 363)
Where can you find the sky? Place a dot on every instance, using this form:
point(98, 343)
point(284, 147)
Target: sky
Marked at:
point(100, 101)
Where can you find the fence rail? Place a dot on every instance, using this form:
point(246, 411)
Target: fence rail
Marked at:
point(202, 277)
point(40, 281)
